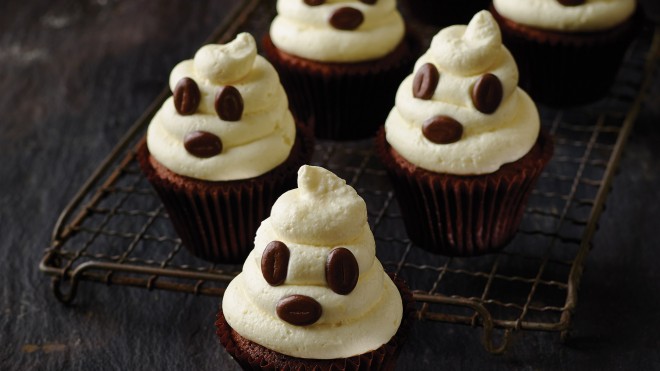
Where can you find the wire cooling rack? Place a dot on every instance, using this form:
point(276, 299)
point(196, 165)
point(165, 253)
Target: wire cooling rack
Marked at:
point(115, 230)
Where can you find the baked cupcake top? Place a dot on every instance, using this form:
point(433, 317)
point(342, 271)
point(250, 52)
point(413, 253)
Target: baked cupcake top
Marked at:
point(567, 15)
point(461, 111)
point(337, 30)
point(228, 118)
point(312, 287)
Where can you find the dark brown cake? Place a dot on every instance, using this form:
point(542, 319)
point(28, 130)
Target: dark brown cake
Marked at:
point(567, 68)
point(463, 215)
point(343, 101)
point(217, 221)
point(445, 12)
point(252, 356)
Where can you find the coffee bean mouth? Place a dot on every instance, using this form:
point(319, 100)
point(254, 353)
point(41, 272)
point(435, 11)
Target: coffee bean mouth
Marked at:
point(346, 18)
point(299, 310)
point(442, 130)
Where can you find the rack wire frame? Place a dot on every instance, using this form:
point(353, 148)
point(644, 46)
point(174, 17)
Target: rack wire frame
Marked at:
point(115, 230)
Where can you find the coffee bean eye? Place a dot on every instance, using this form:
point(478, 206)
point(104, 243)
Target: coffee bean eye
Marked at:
point(275, 263)
point(346, 19)
point(426, 81)
point(571, 2)
point(341, 271)
point(186, 96)
point(314, 2)
point(487, 93)
point(229, 104)
point(202, 144)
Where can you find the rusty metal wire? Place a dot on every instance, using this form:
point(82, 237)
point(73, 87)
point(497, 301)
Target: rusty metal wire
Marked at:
point(115, 230)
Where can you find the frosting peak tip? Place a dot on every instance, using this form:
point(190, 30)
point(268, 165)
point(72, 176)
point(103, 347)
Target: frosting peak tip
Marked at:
point(470, 49)
point(225, 63)
point(483, 26)
point(323, 210)
point(317, 180)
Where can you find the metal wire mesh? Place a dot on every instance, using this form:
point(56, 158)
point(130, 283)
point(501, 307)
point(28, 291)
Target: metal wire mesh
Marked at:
point(116, 231)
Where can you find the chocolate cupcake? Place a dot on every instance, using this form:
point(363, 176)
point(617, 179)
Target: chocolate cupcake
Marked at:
point(223, 148)
point(445, 12)
point(312, 294)
point(568, 52)
point(340, 62)
point(463, 145)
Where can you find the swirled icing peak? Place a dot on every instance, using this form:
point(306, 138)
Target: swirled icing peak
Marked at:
point(461, 111)
point(323, 300)
point(228, 118)
point(592, 15)
point(337, 30)
point(224, 64)
point(323, 209)
point(467, 50)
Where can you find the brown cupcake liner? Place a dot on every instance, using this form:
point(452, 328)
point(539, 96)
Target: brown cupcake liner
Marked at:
point(252, 356)
point(565, 69)
point(463, 215)
point(446, 12)
point(343, 101)
point(217, 221)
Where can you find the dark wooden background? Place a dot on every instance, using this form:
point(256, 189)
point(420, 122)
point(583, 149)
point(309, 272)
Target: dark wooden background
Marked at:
point(75, 74)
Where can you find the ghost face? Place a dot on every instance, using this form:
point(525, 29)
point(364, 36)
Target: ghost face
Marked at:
point(345, 18)
point(486, 96)
point(341, 275)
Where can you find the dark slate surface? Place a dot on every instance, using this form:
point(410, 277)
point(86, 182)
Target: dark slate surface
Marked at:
point(76, 74)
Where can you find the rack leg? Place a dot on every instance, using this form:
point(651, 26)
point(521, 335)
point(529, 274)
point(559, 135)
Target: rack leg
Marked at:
point(64, 292)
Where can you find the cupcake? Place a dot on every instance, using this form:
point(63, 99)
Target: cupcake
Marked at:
point(223, 148)
point(312, 295)
point(568, 51)
point(463, 145)
point(340, 62)
point(445, 12)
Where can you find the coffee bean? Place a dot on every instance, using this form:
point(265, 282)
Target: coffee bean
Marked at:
point(341, 271)
point(346, 18)
point(487, 93)
point(202, 144)
point(369, 2)
point(442, 130)
point(275, 263)
point(299, 310)
point(425, 82)
point(186, 96)
point(229, 104)
point(571, 2)
point(314, 2)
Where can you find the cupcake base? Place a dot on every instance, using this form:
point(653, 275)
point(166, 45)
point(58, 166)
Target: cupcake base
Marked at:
point(217, 221)
point(463, 215)
point(342, 101)
point(252, 356)
point(446, 12)
point(565, 69)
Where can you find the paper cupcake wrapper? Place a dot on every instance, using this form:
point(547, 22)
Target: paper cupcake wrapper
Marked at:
point(463, 215)
point(217, 221)
point(252, 356)
point(446, 12)
point(342, 101)
point(563, 69)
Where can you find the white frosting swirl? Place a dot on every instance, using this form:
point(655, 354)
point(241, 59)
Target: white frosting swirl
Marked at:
point(305, 31)
point(462, 54)
point(593, 15)
point(352, 324)
point(258, 142)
